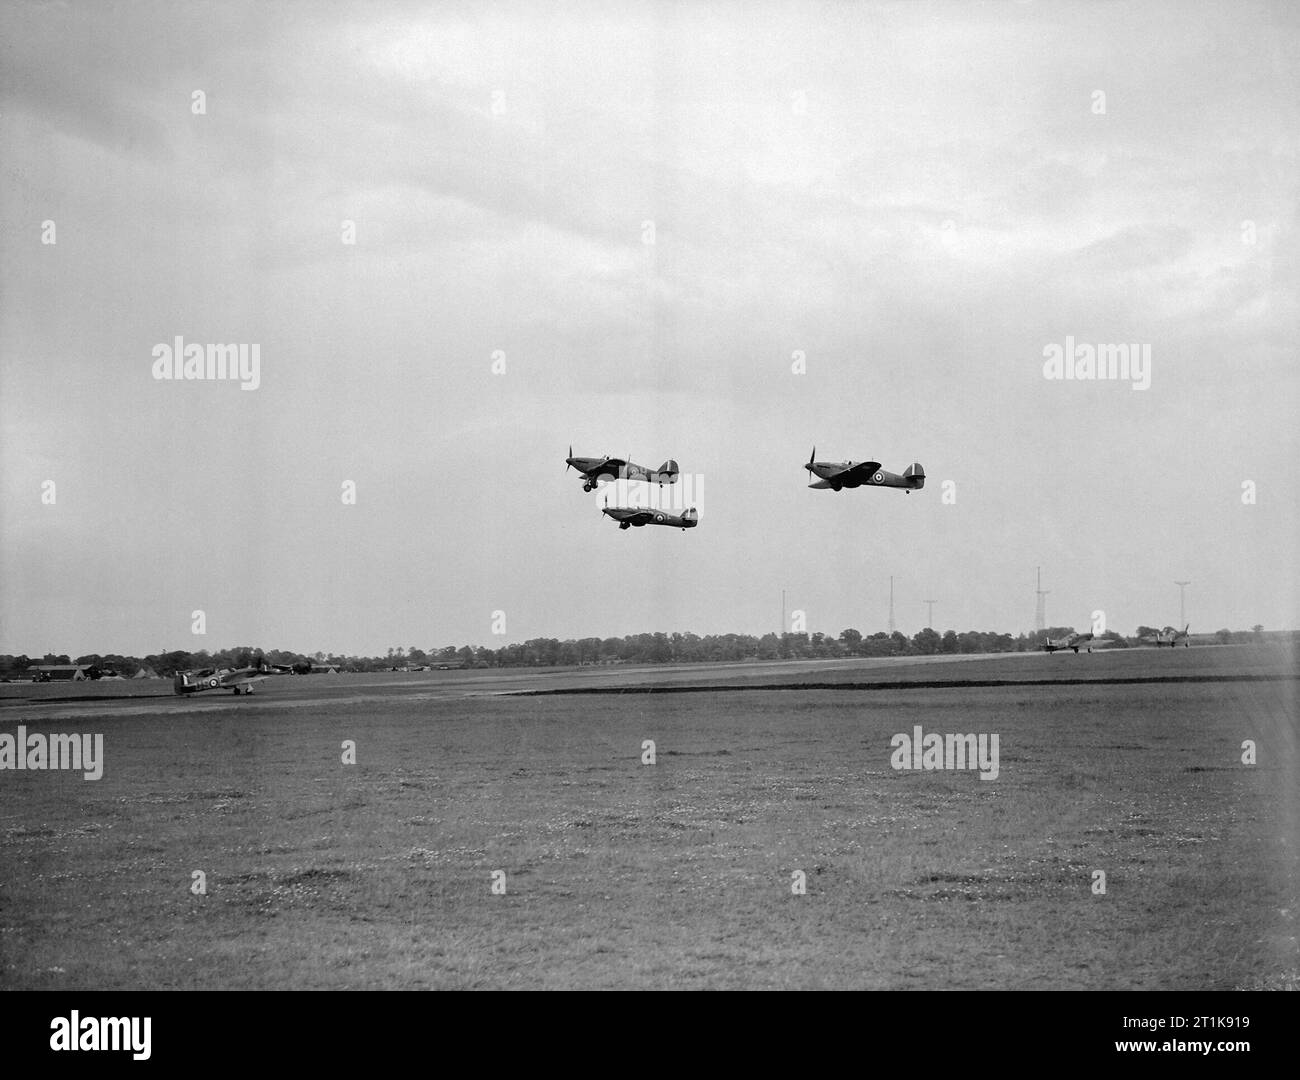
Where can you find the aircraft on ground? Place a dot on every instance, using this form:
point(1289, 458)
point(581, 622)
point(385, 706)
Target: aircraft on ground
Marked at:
point(239, 680)
point(1170, 636)
point(1070, 641)
point(594, 470)
point(627, 516)
point(850, 474)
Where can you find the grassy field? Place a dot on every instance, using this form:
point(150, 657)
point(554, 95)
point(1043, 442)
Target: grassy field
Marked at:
point(676, 874)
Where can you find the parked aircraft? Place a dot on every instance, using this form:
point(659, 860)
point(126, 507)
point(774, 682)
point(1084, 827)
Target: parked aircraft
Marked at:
point(1070, 641)
point(594, 470)
point(627, 516)
point(238, 680)
point(850, 474)
point(1170, 636)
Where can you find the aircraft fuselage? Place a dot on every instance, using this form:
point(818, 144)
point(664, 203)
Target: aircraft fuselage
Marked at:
point(837, 475)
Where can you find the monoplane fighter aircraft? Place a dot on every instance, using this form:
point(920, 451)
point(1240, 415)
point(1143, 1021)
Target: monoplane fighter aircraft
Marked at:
point(1070, 641)
point(1170, 636)
point(850, 474)
point(627, 516)
point(239, 680)
point(594, 470)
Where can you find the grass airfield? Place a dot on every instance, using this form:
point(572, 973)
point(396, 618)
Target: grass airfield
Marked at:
point(677, 874)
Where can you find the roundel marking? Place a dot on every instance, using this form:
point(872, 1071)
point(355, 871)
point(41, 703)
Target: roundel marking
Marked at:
point(879, 478)
point(659, 517)
point(212, 682)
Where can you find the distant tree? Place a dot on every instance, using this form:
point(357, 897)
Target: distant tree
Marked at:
point(171, 662)
point(660, 651)
point(14, 666)
point(1224, 636)
point(795, 645)
point(926, 642)
point(949, 642)
point(1258, 631)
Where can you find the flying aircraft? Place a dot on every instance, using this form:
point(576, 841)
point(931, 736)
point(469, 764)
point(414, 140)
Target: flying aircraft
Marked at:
point(239, 680)
point(627, 516)
point(594, 470)
point(850, 474)
point(1070, 641)
point(1170, 636)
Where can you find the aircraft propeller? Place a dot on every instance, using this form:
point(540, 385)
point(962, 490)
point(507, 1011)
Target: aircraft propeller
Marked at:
point(811, 458)
point(568, 464)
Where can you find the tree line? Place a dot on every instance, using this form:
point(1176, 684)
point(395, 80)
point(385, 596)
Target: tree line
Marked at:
point(657, 648)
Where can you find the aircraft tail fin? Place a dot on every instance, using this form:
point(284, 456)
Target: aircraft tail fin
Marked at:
point(692, 515)
point(669, 470)
point(180, 682)
point(915, 475)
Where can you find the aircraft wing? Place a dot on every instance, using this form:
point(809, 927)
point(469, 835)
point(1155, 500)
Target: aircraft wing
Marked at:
point(247, 675)
point(861, 472)
point(633, 517)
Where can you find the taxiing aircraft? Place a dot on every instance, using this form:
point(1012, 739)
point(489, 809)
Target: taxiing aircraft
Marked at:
point(627, 516)
point(238, 680)
point(594, 470)
point(1070, 641)
point(1170, 636)
point(850, 474)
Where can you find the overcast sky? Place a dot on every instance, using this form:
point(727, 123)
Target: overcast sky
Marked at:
point(646, 212)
